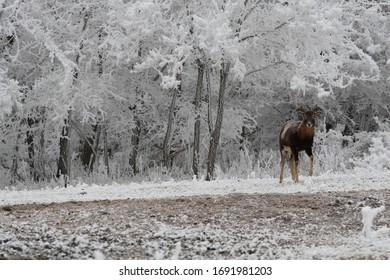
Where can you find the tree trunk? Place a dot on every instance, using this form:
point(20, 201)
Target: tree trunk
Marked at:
point(15, 160)
point(208, 90)
point(215, 136)
point(167, 138)
point(90, 146)
point(64, 161)
point(105, 149)
point(41, 162)
point(171, 117)
point(198, 95)
point(98, 130)
point(135, 138)
point(86, 153)
point(243, 136)
point(30, 149)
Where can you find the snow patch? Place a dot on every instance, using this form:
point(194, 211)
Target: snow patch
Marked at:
point(99, 255)
point(330, 182)
point(369, 214)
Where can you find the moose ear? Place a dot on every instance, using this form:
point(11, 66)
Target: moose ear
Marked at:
point(301, 112)
point(317, 111)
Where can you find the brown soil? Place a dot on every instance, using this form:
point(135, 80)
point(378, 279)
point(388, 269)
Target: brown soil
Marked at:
point(270, 226)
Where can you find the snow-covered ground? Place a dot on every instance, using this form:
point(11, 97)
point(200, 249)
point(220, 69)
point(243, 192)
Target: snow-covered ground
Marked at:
point(356, 181)
point(333, 216)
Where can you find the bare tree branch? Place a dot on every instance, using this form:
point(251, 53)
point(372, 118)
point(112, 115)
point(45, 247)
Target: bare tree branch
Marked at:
point(264, 68)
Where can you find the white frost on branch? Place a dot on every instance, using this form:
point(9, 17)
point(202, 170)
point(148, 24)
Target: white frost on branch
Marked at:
point(239, 70)
point(41, 33)
point(169, 82)
point(217, 40)
point(9, 94)
point(325, 49)
point(323, 93)
point(373, 49)
point(68, 65)
point(298, 83)
point(378, 157)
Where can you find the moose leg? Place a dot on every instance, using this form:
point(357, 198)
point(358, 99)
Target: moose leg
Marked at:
point(295, 166)
point(311, 166)
point(311, 159)
point(292, 168)
point(282, 160)
point(296, 171)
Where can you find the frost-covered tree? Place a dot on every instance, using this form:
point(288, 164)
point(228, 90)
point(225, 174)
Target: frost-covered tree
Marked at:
point(313, 51)
point(121, 87)
point(10, 108)
point(53, 54)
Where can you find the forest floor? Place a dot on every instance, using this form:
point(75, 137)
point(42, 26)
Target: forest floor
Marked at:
point(327, 225)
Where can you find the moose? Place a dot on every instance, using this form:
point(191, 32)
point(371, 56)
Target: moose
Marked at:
point(296, 136)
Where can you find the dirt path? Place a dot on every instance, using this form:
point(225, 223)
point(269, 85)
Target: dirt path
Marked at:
point(271, 226)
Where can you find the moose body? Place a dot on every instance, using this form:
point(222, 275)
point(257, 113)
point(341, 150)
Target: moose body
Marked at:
point(297, 136)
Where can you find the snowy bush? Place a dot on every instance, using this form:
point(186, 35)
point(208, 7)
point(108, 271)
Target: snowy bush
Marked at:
point(378, 156)
point(333, 150)
point(250, 165)
point(9, 94)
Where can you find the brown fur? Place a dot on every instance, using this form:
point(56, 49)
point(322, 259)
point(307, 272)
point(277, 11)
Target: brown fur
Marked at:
point(296, 136)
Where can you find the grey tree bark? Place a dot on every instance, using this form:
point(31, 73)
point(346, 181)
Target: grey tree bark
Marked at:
point(64, 161)
point(171, 116)
point(216, 133)
point(105, 149)
point(135, 139)
point(198, 95)
point(208, 90)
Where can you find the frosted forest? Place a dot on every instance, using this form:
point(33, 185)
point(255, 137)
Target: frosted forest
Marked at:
point(149, 129)
point(138, 90)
